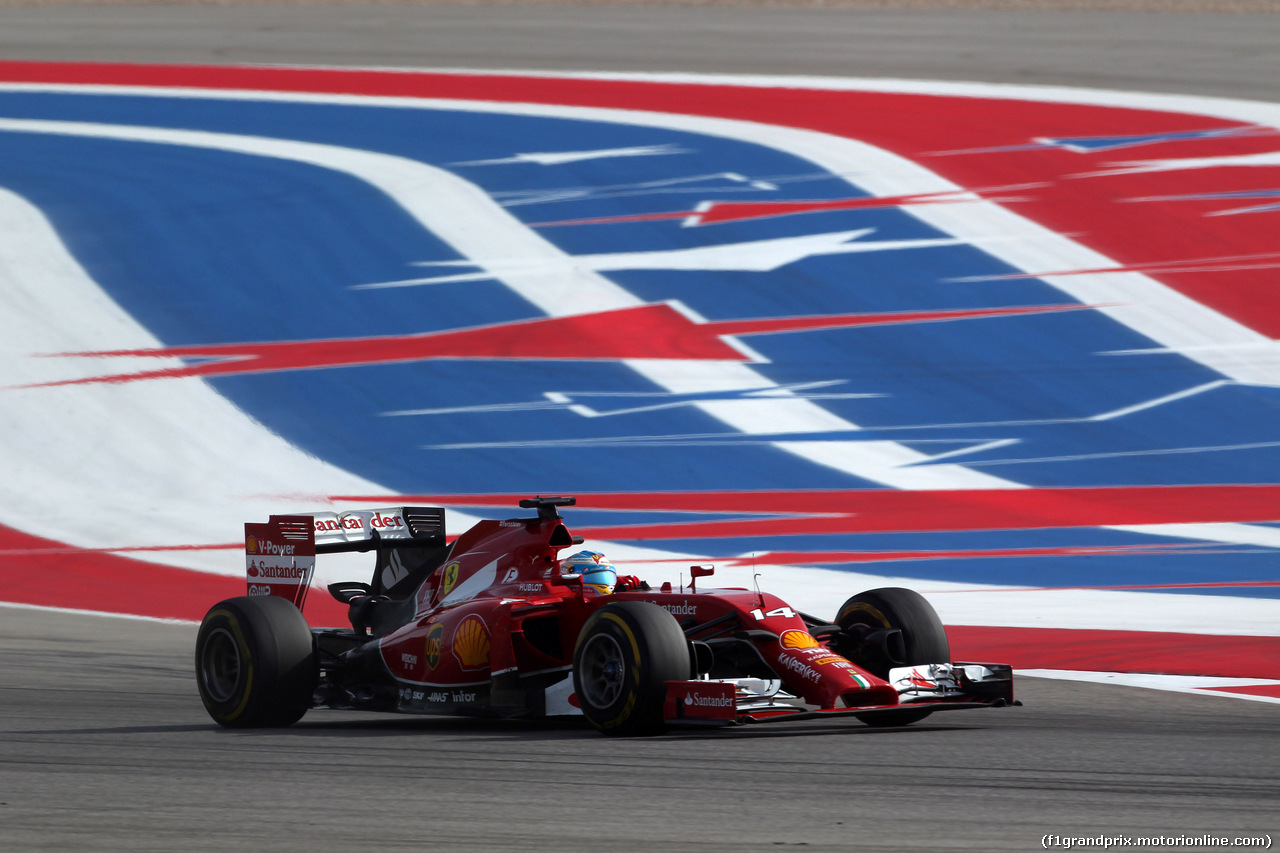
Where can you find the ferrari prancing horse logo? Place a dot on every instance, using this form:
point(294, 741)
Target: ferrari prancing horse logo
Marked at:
point(450, 577)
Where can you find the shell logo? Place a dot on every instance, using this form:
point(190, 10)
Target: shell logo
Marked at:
point(251, 545)
point(798, 640)
point(471, 643)
point(431, 652)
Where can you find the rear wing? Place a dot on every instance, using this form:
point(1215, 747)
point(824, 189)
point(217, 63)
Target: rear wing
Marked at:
point(366, 529)
point(280, 555)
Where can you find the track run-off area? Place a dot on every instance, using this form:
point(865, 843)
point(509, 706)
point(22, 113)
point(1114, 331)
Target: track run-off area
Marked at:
point(1012, 346)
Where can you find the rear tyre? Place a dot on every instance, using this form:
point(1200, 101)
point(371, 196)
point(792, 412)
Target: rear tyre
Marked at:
point(920, 638)
point(626, 652)
point(256, 664)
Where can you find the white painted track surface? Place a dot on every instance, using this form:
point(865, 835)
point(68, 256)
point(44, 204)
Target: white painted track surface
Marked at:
point(194, 488)
point(182, 492)
point(106, 746)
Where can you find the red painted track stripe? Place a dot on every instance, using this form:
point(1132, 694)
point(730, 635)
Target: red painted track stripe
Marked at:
point(654, 332)
point(1118, 651)
point(889, 510)
point(965, 122)
point(123, 549)
point(50, 574)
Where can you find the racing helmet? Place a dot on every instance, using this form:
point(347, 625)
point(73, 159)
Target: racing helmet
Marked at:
point(596, 570)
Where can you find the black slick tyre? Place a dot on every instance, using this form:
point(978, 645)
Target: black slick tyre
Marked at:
point(625, 653)
point(256, 664)
point(921, 638)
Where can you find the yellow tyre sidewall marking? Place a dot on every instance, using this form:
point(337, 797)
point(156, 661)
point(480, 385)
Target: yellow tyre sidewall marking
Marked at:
point(863, 607)
point(635, 649)
point(245, 658)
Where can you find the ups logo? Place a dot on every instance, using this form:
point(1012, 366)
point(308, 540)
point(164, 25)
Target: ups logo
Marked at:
point(431, 653)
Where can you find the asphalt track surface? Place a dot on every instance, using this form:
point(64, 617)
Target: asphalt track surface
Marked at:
point(104, 744)
point(1224, 54)
point(106, 747)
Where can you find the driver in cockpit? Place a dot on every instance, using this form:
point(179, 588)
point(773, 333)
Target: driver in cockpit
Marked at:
point(598, 573)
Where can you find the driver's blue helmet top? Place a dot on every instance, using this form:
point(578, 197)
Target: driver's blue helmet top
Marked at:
point(596, 570)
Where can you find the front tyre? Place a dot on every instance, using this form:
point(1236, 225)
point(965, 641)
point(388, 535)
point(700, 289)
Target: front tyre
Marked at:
point(626, 652)
point(907, 631)
point(256, 664)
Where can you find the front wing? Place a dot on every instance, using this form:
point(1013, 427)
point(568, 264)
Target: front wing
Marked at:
point(928, 688)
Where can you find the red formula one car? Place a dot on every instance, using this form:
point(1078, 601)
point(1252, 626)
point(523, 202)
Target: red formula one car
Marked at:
point(490, 625)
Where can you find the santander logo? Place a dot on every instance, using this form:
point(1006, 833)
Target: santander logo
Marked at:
point(699, 701)
point(378, 522)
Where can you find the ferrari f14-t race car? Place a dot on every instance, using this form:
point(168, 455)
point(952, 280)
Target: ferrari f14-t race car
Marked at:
point(493, 624)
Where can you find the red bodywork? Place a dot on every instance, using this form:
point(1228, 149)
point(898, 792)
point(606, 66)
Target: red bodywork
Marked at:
point(493, 628)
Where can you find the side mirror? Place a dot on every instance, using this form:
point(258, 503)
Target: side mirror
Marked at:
point(696, 572)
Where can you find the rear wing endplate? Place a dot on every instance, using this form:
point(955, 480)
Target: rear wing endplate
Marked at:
point(280, 557)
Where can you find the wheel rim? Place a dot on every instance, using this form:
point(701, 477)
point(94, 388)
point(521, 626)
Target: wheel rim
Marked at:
point(220, 665)
point(602, 671)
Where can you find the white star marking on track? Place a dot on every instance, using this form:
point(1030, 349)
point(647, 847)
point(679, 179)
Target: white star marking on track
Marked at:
point(558, 158)
point(755, 256)
point(1133, 167)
